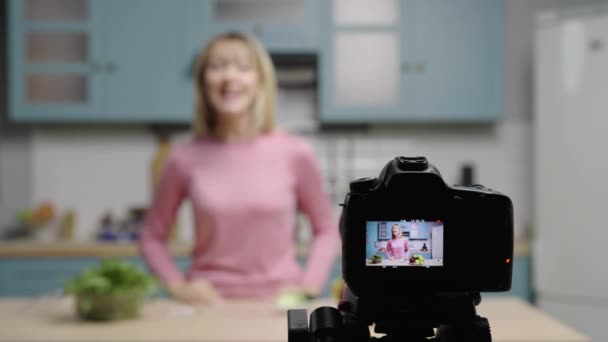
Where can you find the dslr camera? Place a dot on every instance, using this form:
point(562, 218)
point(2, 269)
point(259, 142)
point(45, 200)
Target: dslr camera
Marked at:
point(416, 254)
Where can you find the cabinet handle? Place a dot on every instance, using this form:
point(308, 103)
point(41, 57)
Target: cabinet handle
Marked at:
point(420, 68)
point(95, 67)
point(110, 67)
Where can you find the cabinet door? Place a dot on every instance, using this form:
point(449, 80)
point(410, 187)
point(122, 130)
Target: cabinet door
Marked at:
point(35, 277)
point(458, 48)
point(361, 79)
point(99, 61)
point(52, 73)
point(144, 60)
point(281, 25)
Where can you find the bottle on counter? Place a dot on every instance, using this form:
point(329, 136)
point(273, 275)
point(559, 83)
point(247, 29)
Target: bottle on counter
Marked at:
point(107, 228)
point(157, 165)
point(66, 230)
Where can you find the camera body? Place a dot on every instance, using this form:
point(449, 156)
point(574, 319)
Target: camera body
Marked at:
point(452, 239)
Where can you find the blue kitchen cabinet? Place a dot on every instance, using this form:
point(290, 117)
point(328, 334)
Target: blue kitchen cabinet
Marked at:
point(113, 61)
point(521, 281)
point(425, 255)
point(26, 277)
point(23, 277)
point(456, 59)
point(98, 61)
point(146, 75)
point(360, 63)
point(282, 26)
point(52, 74)
point(29, 277)
point(412, 61)
point(521, 284)
point(421, 231)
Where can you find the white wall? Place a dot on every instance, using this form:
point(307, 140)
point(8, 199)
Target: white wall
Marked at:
point(94, 170)
point(15, 183)
point(91, 171)
point(14, 152)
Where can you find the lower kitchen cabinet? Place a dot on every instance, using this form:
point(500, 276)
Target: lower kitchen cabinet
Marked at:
point(37, 277)
point(521, 284)
point(30, 277)
point(26, 277)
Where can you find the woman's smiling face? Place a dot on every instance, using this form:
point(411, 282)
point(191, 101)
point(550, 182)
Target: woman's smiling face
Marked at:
point(231, 79)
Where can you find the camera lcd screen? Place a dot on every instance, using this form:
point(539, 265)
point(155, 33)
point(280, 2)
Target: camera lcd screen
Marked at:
point(404, 243)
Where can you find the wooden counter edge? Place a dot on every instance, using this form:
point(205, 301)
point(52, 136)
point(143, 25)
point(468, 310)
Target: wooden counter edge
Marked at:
point(32, 249)
point(27, 249)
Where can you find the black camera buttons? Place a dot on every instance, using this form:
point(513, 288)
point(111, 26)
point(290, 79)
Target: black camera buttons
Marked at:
point(364, 184)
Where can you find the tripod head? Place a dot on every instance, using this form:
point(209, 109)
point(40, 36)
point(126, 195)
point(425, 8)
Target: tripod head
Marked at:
point(453, 315)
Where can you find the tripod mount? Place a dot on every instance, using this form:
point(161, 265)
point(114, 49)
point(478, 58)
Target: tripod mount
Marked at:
point(434, 317)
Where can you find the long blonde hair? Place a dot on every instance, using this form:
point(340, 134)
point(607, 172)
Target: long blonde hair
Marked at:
point(400, 234)
point(205, 117)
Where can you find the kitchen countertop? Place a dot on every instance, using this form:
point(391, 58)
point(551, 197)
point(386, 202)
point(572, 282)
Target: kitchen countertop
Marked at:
point(51, 319)
point(79, 249)
point(27, 249)
point(401, 263)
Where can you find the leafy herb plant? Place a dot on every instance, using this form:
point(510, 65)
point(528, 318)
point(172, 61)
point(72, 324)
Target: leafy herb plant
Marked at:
point(111, 290)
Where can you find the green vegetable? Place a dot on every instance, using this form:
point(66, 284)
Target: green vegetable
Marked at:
point(376, 259)
point(111, 290)
point(111, 277)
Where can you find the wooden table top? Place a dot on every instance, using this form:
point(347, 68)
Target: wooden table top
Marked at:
point(52, 319)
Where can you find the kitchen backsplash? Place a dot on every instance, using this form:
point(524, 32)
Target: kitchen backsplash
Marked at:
point(94, 170)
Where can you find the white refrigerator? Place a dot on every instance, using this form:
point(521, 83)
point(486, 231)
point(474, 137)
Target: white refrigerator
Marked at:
point(570, 247)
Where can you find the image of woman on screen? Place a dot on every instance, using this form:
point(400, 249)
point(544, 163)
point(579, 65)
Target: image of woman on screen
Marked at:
point(397, 247)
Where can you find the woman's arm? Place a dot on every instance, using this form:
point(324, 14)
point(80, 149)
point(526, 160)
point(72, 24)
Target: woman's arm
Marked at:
point(170, 192)
point(314, 202)
point(389, 250)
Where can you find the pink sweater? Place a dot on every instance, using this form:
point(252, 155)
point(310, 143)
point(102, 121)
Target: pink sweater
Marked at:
point(244, 197)
point(397, 248)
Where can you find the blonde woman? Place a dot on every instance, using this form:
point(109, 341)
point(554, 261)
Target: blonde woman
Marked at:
point(245, 180)
point(397, 247)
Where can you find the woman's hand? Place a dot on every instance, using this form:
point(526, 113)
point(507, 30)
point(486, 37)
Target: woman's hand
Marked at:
point(292, 289)
point(194, 292)
point(293, 297)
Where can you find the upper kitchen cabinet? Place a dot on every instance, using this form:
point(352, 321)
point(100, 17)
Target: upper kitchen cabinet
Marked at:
point(98, 61)
point(283, 26)
point(361, 79)
point(390, 61)
point(457, 58)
